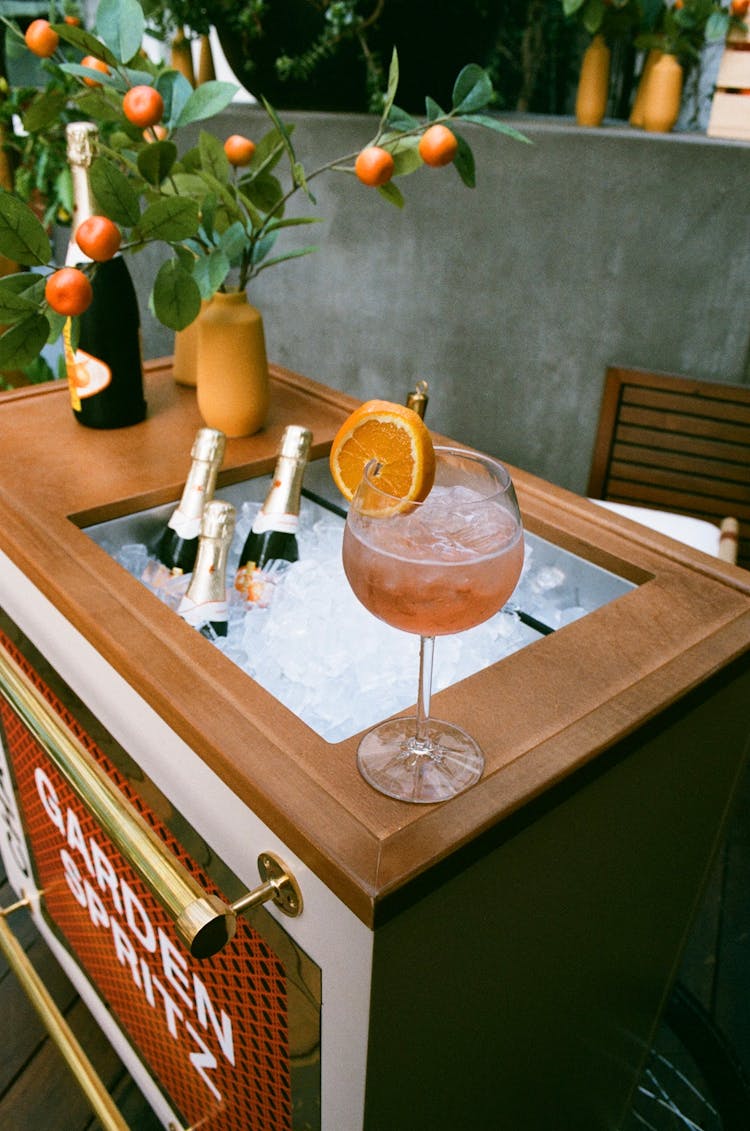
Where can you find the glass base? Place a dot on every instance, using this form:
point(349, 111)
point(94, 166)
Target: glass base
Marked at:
point(445, 762)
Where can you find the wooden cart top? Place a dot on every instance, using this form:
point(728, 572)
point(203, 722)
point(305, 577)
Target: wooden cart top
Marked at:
point(539, 715)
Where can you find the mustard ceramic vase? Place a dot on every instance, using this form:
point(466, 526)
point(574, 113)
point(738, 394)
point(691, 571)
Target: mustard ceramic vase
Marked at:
point(593, 83)
point(232, 369)
point(185, 358)
point(663, 96)
point(636, 114)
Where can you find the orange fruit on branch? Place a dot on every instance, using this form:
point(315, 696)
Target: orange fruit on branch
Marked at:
point(438, 146)
point(93, 64)
point(41, 38)
point(239, 150)
point(143, 106)
point(397, 438)
point(99, 238)
point(68, 291)
point(374, 166)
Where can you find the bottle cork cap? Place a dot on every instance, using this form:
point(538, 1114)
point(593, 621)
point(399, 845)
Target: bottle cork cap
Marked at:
point(83, 140)
point(209, 445)
point(218, 519)
point(295, 443)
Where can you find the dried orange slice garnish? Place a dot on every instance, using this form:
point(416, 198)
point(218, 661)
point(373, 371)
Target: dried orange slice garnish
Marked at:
point(397, 438)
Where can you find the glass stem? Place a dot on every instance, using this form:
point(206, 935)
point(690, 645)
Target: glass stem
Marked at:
point(426, 652)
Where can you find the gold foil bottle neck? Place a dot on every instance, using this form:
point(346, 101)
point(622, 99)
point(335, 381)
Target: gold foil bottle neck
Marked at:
point(218, 520)
point(209, 445)
point(295, 443)
point(83, 142)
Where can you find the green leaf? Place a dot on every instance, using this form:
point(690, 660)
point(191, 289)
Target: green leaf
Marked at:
point(114, 194)
point(22, 237)
point(213, 158)
point(210, 271)
point(495, 124)
point(392, 194)
point(171, 218)
point(293, 222)
point(464, 163)
point(570, 7)
point(206, 100)
point(14, 306)
point(23, 342)
point(717, 26)
point(433, 110)
point(300, 178)
point(233, 241)
point(268, 152)
point(223, 194)
point(187, 184)
point(28, 283)
point(44, 110)
point(156, 160)
point(86, 42)
point(121, 24)
point(390, 93)
point(56, 323)
point(296, 254)
point(176, 297)
point(284, 133)
point(176, 92)
point(400, 121)
point(406, 157)
point(264, 192)
point(90, 73)
point(98, 106)
point(472, 90)
point(593, 15)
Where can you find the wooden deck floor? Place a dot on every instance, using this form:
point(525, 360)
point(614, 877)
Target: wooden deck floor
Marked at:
point(37, 1092)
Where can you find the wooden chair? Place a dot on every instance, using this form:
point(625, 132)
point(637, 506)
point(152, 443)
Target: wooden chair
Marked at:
point(669, 443)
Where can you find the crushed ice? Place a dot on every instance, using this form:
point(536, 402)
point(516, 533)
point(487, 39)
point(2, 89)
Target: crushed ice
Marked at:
point(323, 655)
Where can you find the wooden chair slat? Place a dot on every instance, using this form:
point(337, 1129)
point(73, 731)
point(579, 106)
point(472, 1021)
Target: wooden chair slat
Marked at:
point(670, 442)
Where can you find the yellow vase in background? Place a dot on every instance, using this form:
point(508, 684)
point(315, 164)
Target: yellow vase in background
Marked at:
point(233, 388)
point(593, 83)
point(663, 96)
point(185, 359)
point(636, 114)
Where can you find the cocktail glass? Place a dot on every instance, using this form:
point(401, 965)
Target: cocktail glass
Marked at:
point(432, 568)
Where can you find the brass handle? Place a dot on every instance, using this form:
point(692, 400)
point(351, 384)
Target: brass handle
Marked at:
point(204, 922)
point(58, 1028)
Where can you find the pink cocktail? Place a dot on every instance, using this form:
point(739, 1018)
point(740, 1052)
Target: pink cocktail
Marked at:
point(436, 567)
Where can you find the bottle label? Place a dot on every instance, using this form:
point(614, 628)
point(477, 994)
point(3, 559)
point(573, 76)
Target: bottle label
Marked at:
point(87, 375)
point(284, 523)
point(203, 612)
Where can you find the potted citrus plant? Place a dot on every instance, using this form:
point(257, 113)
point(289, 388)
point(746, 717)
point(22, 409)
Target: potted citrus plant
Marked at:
point(218, 206)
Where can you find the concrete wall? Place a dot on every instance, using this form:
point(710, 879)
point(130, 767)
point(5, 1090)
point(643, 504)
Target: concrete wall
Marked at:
point(587, 248)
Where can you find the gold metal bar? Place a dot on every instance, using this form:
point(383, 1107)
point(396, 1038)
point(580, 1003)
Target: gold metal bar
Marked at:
point(59, 1030)
point(204, 922)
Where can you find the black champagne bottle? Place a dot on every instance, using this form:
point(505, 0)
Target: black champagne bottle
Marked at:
point(105, 370)
point(273, 536)
point(178, 546)
point(205, 604)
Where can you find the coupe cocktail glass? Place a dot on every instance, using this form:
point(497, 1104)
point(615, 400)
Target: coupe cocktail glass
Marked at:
point(432, 568)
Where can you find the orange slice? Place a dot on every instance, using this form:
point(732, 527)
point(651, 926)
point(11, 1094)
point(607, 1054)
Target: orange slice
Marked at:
point(397, 438)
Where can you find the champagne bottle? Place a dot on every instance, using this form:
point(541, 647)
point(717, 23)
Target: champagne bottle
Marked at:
point(273, 536)
point(178, 545)
point(205, 604)
point(105, 372)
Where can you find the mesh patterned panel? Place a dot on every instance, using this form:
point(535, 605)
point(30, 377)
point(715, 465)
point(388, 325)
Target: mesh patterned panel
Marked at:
point(214, 1034)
